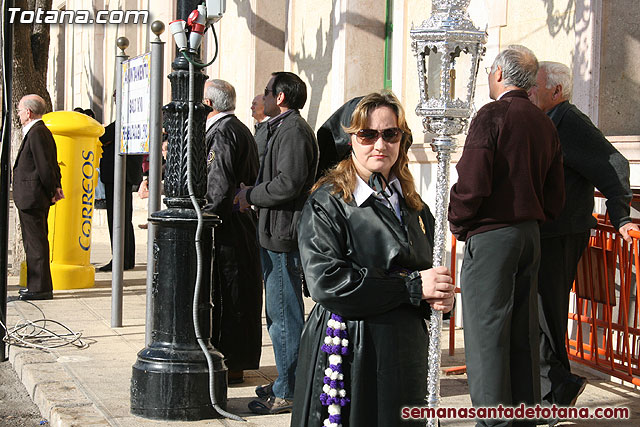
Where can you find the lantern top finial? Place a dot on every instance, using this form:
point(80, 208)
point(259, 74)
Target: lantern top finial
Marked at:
point(450, 4)
point(449, 20)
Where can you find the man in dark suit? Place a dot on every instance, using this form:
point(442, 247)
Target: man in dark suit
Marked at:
point(510, 179)
point(589, 160)
point(36, 186)
point(133, 178)
point(232, 159)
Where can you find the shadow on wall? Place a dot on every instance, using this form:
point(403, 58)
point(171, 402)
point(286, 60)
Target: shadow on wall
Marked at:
point(96, 89)
point(581, 56)
point(618, 109)
point(619, 103)
point(314, 67)
point(557, 22)
point(317, 66)
point(260, 28)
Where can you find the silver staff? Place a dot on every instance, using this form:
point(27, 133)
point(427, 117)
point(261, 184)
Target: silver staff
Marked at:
point(448, 38)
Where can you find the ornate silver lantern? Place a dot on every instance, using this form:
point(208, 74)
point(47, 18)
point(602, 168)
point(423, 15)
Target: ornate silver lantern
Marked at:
point(448, 48)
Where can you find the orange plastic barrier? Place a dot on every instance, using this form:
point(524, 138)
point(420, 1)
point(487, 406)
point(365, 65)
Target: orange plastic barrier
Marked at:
point(452, 319)
point(604, 317)
point(604, 331)
point(453, 370)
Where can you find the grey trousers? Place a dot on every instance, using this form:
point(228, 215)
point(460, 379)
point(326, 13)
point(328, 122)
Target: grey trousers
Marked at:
point(499, 304)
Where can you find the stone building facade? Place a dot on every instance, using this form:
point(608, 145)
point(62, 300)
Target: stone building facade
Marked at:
point(345, 48)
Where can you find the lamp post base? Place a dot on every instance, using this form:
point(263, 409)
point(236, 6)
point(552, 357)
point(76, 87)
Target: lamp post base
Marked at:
point(170, 385)
point(170, 379)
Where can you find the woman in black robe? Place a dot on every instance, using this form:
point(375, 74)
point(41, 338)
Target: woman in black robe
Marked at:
point(365, 240)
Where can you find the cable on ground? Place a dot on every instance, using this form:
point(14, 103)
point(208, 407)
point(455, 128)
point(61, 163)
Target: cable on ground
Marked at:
point(39, 334)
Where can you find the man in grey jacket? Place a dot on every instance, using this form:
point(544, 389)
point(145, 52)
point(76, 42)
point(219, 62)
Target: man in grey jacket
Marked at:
point(589, 160)
point(285, 177)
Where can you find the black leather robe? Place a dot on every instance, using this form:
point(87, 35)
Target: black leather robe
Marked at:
point(351, 256)
point(232, 159)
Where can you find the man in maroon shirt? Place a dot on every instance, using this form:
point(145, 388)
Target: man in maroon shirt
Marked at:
point(510, 179)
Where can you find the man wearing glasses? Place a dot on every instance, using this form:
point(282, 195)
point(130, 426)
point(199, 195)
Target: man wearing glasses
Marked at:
point(285, 177)
point(36, 186)
point(510, 179)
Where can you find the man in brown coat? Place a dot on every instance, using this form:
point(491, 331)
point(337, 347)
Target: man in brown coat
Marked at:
point(36, 186)
point(510, 179)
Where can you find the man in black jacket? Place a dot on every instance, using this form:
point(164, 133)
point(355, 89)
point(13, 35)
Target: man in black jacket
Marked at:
point(133, 178)
point(285, 177)
point(233, 158)
point(36, 186)
point(589, 160)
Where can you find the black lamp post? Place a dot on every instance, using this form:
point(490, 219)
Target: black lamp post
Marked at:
point(170, 379)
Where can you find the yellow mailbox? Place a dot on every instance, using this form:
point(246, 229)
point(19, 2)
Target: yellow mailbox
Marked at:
point(79, 151)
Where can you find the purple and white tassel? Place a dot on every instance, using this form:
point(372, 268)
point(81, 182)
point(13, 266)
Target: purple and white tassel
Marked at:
point(334, 395)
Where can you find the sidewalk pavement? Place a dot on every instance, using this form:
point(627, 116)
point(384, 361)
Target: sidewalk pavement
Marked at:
point(90, 387)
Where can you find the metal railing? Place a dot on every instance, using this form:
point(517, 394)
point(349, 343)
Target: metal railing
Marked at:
point(604, 330)
point(604, 317)
point(453, 370)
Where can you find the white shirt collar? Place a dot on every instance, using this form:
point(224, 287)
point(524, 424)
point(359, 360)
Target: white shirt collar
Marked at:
point(28, 126)
point(504, 93)
point(211, 120)
point(362, 192)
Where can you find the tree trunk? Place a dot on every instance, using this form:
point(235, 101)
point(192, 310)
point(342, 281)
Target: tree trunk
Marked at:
point(30, 60)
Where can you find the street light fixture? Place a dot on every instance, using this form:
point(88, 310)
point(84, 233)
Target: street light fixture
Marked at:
point(448, 48)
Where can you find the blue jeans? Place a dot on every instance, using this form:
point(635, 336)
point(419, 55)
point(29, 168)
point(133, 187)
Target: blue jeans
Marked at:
point(100, 194)
point(285, 314)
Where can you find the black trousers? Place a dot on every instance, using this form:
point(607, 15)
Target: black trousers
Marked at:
point(129, 237)
point(36, 245)
point(558, 265)
point(499, 279)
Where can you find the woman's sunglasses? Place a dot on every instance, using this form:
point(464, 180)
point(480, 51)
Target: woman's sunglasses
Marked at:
point(370, 136)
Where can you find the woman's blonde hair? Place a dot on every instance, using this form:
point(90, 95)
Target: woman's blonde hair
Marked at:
point(342, 177)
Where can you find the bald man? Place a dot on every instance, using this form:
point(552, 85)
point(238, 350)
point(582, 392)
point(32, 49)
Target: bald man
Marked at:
point(232, 159)
point(36, 186)
point(257, 112)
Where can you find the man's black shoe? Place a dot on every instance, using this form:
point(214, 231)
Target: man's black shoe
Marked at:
point(26, 296)
point(23, 290)
point(106, 267)
point(566, 394)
